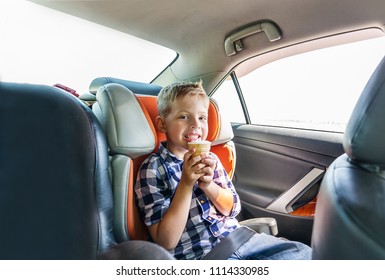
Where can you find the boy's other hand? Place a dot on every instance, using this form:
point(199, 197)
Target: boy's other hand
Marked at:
point(207, 172)
point(192, 168)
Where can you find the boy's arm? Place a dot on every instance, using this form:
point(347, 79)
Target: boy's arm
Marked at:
point(222, 198)
point(168, 231)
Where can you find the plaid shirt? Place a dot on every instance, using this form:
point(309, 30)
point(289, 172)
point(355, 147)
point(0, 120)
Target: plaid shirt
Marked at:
point(157, 181)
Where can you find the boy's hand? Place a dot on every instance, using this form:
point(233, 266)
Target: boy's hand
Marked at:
point(192, 168)
point(201, 168)
point(207, 172)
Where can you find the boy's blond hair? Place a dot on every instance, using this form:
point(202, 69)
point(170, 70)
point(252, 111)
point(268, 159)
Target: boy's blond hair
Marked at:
point(169, 93)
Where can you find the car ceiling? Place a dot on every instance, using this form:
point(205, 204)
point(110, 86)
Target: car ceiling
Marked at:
point(196, 30)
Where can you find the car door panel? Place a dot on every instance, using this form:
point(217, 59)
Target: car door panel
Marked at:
point(279, 171)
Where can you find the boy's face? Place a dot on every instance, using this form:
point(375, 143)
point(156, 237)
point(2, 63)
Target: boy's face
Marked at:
point(187, 121)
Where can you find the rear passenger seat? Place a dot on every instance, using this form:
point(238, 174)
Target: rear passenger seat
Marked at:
point(125, 160)
point(124, 108)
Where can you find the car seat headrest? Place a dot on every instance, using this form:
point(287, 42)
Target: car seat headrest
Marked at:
point(220, 130)
point(365, 133)
point(125, 121)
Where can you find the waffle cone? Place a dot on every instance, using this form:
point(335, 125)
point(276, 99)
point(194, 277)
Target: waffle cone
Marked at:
point(201, 147)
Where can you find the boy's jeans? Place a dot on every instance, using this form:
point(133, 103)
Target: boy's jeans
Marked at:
point(267, 247)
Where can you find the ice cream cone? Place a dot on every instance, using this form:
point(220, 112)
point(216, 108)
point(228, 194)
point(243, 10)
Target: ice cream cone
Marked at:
point(201, 147)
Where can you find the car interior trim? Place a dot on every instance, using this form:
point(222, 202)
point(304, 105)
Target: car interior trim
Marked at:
point(233, 43)
point(285, 201)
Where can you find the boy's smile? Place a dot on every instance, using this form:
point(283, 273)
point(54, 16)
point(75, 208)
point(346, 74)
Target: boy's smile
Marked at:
point(192, 137)
point(186, 122)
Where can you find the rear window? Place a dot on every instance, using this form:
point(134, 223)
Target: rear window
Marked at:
point(44, 46)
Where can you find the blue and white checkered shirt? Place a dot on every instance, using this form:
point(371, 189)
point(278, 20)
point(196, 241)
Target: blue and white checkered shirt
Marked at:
point(157, 181)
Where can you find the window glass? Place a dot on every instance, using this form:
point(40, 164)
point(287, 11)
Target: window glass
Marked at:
point(41, 45)
point(315, 90)
point(228, 102)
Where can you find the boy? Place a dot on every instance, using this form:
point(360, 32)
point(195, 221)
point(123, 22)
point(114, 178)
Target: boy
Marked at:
point(188, 202)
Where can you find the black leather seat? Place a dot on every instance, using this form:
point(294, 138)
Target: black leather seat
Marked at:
point(350, 212)
point(55, 192)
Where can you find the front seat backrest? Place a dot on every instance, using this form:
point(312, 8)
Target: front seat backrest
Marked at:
point(350, 212)
point(55, 193)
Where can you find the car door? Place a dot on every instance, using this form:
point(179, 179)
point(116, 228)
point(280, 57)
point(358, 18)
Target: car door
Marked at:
point(278, 174)
point(288, 118)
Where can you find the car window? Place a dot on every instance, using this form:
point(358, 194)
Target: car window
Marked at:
point(44, 46)
point(315, 90)
point(229, 102)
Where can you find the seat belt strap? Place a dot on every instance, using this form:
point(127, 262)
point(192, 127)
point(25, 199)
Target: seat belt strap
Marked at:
point(224, 249)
